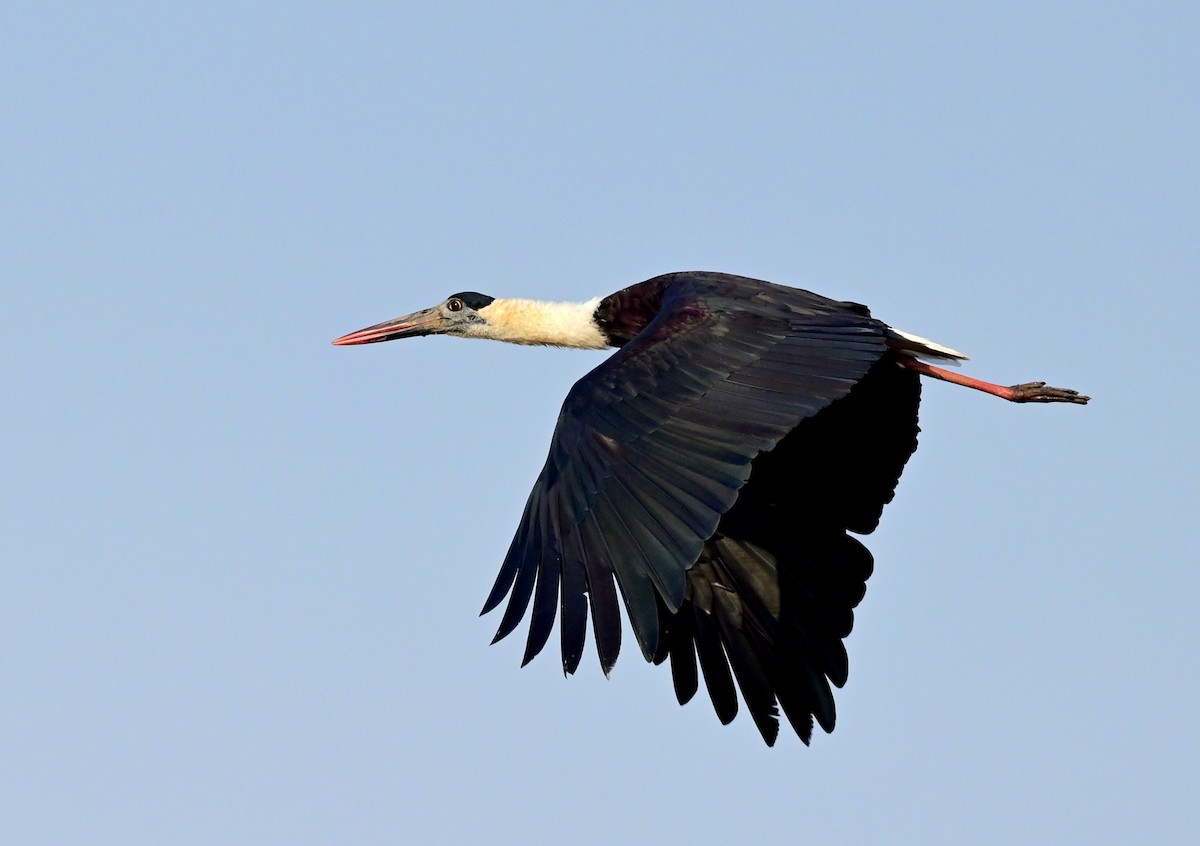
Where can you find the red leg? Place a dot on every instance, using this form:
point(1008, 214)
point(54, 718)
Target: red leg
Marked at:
point(1027, 392)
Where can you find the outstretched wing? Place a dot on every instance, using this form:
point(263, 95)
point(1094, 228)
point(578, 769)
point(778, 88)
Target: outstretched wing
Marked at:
point(653, 446)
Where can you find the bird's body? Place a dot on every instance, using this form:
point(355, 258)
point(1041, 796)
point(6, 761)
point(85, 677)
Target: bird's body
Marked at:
point(713, 471)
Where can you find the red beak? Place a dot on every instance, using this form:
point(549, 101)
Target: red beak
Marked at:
point(427, 322)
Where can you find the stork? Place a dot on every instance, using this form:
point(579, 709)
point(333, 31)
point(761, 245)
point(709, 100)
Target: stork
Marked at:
point(715, 470)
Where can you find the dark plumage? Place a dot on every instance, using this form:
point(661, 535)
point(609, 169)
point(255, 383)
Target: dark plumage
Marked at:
point(667, 472)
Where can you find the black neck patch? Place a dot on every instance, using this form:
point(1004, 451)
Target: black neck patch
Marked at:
point(473, 300)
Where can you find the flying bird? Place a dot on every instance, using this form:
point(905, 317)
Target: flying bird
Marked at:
point(714, 473)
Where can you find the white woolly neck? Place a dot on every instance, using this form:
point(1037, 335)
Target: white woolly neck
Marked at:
point(537, 322)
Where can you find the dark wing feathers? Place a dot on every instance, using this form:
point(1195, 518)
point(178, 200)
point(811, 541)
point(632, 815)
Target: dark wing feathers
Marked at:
point(602, 597)
point(573, 602)
point(783, 554)
point(646, 486)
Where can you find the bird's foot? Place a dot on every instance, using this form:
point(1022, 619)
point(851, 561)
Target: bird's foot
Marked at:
point(1026, 392)
point(1041, 392)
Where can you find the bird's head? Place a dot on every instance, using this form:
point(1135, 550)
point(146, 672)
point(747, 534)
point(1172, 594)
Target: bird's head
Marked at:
point(463, 314)
point(471, 315)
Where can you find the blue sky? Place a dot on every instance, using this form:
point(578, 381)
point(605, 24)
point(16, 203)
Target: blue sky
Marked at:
point(244, 567)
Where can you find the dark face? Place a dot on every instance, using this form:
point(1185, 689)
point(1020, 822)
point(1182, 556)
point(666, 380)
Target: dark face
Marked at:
point(455, 316)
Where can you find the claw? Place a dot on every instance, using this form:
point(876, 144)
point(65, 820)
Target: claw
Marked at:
point(1040, 392)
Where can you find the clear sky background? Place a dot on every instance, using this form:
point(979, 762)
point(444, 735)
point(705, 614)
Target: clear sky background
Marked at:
point(242, 568)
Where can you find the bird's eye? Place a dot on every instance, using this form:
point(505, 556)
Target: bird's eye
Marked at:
point(455, 305)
